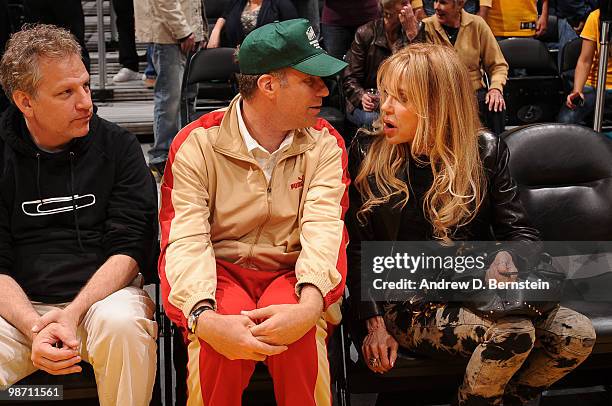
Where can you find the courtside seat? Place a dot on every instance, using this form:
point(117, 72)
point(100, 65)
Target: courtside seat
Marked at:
point(534, 90)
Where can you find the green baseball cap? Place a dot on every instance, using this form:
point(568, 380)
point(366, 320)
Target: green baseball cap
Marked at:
point(290, 43)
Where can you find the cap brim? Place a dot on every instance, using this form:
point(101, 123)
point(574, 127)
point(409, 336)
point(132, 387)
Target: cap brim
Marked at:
point(321, 65)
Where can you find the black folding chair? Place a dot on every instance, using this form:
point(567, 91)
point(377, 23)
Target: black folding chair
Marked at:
point(208, 83)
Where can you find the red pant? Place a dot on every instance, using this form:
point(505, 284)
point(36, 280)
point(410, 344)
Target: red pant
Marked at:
point(300, 374)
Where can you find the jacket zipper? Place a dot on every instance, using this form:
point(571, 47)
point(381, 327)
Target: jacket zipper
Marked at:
point(268, 199)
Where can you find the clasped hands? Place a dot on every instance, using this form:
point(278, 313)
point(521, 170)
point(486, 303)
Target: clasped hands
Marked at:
point(55, 348)
point(257, 334)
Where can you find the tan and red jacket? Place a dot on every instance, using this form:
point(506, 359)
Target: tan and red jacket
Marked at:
point(217, 204)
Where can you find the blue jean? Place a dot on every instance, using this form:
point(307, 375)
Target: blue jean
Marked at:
point(150, 70)
point(362, 118)
point(169, 62)
point(580, 114)
point(337, 39)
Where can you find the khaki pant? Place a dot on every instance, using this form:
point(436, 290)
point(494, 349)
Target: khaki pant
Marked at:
point(117, 337)
point(511, 360)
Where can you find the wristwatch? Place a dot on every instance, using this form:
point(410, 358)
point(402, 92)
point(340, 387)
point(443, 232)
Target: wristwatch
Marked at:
point(192, 320)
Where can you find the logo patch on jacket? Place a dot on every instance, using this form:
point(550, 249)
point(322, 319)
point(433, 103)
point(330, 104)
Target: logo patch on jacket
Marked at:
point(299, 184)
point(54, 205)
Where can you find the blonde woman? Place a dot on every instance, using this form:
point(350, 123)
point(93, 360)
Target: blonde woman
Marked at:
point(430, 173)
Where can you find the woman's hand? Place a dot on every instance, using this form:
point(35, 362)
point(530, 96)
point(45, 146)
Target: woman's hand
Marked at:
point(409, 22)
point(379, 347)
point(573, 96)
point(215, 35)
point(502, 268)
point(495, 100)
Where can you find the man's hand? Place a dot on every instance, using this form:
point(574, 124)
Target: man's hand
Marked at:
point(63, 317)
point(502, 269)
point(379, 348)
point(579, 27)
point(188, 44)
point(230, 336)
point(495, 100)
point(541, 25)
point(286, 323)
point(368, 102)
point(55, 350)
point(409, 22)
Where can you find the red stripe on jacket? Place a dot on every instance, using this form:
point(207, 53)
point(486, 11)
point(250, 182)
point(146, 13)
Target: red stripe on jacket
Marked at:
point(337, 292)
point(166, 214)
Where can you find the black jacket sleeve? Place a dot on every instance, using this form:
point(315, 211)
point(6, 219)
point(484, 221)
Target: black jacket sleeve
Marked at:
point(361, 308)
point(353, 76)
point(131, 223)
point(509, 218)
point(6, 241)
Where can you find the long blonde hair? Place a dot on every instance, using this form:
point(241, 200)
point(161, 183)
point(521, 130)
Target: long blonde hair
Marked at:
point(436, 83)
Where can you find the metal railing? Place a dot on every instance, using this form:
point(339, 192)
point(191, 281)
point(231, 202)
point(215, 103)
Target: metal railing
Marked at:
point(101, 45)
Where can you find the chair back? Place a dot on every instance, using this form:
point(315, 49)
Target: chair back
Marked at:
point(534, 90)
point(215, 64)
point(570, 54)
point(208, 83)
point(529, 54)
point(565, 176)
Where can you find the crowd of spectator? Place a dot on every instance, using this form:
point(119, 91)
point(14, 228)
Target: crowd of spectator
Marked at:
point(362, 33)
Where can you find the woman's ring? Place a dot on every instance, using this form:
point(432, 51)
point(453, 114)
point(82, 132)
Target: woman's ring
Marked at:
point(373, 362)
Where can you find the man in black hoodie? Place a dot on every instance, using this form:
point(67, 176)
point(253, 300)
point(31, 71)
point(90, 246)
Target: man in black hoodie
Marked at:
point(77, 223)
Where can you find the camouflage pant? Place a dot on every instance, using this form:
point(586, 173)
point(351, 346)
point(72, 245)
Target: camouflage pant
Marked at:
point(511, 360)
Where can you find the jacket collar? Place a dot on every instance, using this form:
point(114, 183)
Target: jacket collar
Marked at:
point(466, 19)
point(380, 39)
point(229, 141)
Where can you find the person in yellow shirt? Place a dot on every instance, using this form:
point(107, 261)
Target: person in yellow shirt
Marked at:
point(514, 18)
point(580, 103)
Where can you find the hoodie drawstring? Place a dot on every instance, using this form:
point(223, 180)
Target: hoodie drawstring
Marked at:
point(74, 207)
point(38, 177)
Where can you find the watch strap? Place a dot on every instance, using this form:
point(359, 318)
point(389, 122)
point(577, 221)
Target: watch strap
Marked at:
point(196, 313)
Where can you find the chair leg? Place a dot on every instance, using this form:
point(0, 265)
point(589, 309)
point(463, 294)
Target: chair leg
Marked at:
point(179, 361)
point(343, 393)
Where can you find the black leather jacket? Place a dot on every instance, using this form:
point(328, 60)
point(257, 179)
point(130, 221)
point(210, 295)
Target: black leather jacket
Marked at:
point(501, 216)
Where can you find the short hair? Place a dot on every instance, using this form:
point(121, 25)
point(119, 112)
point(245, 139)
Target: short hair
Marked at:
point(247, 84)
point(19, 67)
